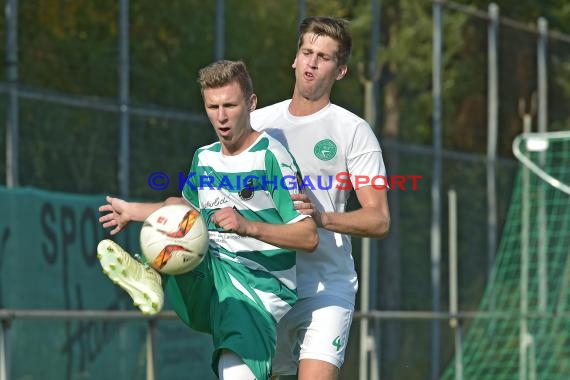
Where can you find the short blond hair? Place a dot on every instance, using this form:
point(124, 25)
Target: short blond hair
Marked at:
point(221, 73)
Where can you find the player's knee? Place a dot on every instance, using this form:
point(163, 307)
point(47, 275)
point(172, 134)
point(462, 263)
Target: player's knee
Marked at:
point(231, 366)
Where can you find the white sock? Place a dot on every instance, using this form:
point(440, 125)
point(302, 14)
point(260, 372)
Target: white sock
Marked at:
point(231, 367)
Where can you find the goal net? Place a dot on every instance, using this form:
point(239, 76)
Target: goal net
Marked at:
point(523, 328)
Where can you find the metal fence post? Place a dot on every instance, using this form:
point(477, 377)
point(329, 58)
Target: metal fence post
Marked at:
point(364, 308)
point(492, 132)
point(453, 288)
point(12, 140)
point(524, 272)
point(542, 118)
point(220, 35)
point(4, 325)
point(124, 127)
point(436, 182)
point(150, 371)
point(301, 11)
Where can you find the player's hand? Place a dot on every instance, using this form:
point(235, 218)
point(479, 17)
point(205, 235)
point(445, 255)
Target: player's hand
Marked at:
point(303, 204)
point(116, 215)
point(230, 220)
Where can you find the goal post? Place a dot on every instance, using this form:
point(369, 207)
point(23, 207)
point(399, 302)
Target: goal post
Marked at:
point(537, 151)
point(523, 332)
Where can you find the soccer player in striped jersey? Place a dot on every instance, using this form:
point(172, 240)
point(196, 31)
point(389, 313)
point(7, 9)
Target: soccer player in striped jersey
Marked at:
point(243, 186)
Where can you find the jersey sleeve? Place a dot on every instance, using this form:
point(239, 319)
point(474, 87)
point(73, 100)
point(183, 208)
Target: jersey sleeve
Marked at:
point(285, 175)
point(256, 120)
point(364, 156)
point(190, 188)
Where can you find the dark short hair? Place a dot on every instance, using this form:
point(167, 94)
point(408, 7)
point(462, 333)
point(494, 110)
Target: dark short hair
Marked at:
point(335, 28)
point(221, 73)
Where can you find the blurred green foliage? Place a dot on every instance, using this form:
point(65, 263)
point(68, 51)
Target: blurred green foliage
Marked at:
point(71, 47)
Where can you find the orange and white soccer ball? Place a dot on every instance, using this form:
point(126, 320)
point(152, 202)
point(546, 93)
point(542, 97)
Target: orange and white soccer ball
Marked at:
point(174, 239)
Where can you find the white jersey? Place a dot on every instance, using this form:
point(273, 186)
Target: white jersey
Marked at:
point(327, 145)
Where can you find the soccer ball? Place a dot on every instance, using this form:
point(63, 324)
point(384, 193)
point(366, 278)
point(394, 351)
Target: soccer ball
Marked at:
point(174, 239)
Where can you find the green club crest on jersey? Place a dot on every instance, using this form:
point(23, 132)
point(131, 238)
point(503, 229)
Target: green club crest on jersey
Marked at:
point(325, 149)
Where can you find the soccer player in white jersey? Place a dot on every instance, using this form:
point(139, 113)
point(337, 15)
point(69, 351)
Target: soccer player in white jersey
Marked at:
point(331, 146)
point(246, 282)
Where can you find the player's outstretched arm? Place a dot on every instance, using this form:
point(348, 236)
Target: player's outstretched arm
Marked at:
point(118, 213)
point(301, 235)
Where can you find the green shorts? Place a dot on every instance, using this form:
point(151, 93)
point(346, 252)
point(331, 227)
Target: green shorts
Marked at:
point(218, 298)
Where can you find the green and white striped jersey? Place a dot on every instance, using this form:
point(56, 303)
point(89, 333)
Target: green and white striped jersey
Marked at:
point(258, 183)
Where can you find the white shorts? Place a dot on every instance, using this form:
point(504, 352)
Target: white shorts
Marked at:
point(315, 328)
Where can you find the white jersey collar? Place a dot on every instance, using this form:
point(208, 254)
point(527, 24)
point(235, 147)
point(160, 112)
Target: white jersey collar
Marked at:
point(307, 118)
